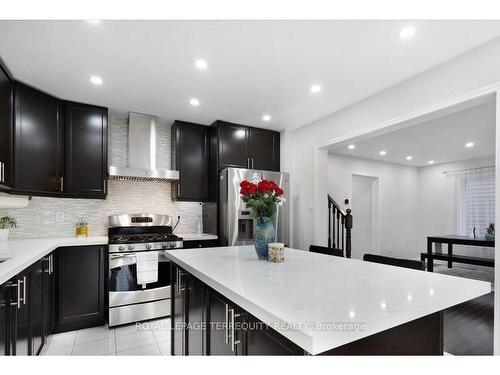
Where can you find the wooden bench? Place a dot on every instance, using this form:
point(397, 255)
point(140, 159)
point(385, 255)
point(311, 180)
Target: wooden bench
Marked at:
point(459, 259)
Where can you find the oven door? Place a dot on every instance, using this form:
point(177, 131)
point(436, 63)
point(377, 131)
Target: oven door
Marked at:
point(123, 287)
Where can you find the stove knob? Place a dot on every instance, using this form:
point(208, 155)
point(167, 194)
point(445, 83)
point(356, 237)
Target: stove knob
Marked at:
point(164, 246)
point(121, 247)
point(149, 246)
point(131, 247)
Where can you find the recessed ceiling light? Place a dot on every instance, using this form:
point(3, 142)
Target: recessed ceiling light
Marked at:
point(351, 147)
point(431, 161)
point(266, 118)
point(469, 144)
point(407, 32)
point(94, 22)
point(96, 80)
point(383, 152)
point(315, 88)
point(201, 64)
point(194, 102)
point(409, 157)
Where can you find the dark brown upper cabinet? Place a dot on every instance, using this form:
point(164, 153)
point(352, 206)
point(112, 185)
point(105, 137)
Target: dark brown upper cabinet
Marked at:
point(233, 147)
point(38, 142)
point(86, 151)
point(242, 146)
point(264, 149)
point(190, 156)
point(6, 128)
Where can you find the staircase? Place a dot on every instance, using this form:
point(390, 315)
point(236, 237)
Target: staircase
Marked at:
point(339, 227)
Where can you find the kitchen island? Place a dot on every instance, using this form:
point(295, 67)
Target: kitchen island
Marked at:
point(225, 301)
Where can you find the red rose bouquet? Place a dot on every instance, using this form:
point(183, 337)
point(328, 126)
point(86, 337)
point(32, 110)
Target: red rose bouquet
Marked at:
point(261, 198)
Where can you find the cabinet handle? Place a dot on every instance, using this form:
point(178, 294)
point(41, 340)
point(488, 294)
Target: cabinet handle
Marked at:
point(51, 264)
point(61, 182)
point(24, 290)
point(2, 172)
point(234, 342)
point(227, 324)
point(178, 190)
point(248, 163)
point(252, 163)
point(47, 259)
point(19, 299)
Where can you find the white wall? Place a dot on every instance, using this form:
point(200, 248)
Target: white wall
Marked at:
point(397, 191)
point(473, 70)
point(413, 202)
point(434, 190)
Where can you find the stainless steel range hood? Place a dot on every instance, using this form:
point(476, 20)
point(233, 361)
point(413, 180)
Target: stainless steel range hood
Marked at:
point(142, 134)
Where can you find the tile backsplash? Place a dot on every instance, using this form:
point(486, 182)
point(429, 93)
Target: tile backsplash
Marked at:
point(56, 217)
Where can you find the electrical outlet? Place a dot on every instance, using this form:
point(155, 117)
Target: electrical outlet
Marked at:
point(59, 217)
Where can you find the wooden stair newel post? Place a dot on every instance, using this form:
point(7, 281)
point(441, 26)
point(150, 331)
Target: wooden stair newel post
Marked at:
point(348, 227)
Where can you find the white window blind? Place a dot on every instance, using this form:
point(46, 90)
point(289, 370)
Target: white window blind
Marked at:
point(479, 200)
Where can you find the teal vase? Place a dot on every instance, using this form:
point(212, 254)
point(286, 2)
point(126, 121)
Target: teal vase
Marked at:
point(489, 237)
point(264, 234)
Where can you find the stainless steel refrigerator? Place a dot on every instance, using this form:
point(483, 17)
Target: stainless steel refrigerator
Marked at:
point(236, 227)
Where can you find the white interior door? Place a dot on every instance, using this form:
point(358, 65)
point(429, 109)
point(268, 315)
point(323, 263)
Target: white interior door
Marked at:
point(363, 209)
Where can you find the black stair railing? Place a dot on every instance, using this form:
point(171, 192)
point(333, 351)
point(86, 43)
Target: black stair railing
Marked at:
point(339, 227)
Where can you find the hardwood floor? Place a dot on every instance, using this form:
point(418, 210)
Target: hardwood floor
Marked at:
point(468, 327)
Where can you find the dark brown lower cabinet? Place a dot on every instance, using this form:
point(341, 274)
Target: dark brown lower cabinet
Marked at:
point(6, 298)
point(49, 294)
point(22, 340)
point(223, 339)
point(37, 333)
point(195, 316)
point(178, 311)
point(80, 287)
point(206, 323)
point(262, 340)
point(23, 312)
point(214, 325)
point(40, 301)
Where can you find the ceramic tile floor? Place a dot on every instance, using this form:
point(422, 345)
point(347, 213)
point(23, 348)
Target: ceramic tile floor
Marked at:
point(147, 338)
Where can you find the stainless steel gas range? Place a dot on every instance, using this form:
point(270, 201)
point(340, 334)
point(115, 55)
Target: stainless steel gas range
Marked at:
point(139, 271)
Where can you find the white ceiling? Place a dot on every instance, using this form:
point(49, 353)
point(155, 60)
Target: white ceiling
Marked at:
point(253, 67)
point(442, 139)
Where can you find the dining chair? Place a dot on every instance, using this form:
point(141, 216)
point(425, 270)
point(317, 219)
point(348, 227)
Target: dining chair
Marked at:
point(406, 263)
point(326, 250)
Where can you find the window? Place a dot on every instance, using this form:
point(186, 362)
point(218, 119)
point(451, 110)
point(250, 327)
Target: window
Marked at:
point(479, 200)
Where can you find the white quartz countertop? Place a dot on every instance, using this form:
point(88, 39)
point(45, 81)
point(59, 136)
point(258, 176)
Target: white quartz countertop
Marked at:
point(321, 302)
point(18, 254)
point(196, 236)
